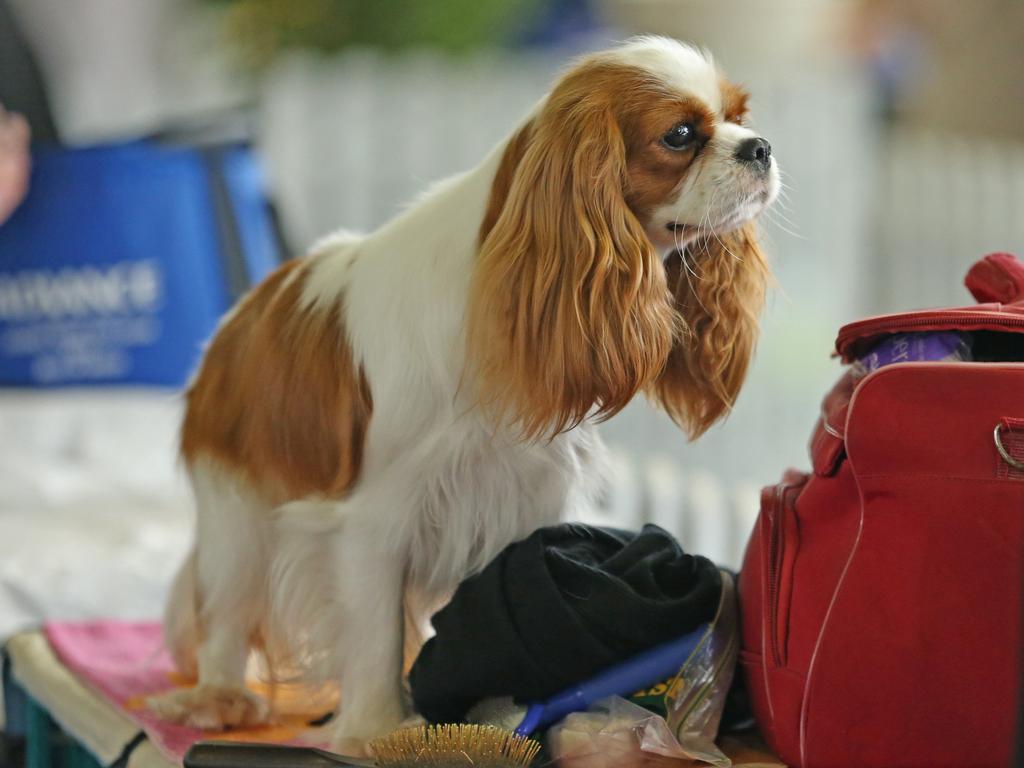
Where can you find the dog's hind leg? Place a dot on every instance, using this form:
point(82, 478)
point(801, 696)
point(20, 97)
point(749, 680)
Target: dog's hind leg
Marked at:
point(181, 622)
point(217, 606)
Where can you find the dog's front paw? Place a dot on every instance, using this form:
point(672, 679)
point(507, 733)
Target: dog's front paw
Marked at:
point(357, 726)
point(211, 708)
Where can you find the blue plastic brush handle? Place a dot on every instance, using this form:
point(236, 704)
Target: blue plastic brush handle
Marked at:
point(640, 671)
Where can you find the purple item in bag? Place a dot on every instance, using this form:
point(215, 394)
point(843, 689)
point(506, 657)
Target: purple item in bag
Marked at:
point(915, 348)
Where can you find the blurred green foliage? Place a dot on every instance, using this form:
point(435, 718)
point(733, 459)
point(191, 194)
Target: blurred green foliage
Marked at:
point(263, 28)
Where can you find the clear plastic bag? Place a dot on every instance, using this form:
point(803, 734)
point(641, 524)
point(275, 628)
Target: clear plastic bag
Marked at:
point(616, 733)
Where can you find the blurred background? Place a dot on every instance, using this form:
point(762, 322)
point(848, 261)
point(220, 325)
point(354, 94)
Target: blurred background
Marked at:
point(898, 125)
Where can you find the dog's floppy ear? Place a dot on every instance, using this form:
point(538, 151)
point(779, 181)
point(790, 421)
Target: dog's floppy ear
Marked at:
point(719, 293)
point(569, 311)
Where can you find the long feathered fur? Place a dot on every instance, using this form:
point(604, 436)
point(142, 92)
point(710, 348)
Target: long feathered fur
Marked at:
point(569, 312)
point(719, 297)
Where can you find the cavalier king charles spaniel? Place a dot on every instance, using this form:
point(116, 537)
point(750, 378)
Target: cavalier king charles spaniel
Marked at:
point(376, 421)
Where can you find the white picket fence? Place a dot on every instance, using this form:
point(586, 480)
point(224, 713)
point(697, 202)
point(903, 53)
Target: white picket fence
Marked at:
point(708, 514)
point(350, 139)
point(944, 200)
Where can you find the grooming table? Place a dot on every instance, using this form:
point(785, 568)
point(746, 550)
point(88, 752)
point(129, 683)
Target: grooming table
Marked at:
point(63, 721)
point(76, 692)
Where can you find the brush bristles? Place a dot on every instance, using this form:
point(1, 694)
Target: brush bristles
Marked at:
point(446, 746)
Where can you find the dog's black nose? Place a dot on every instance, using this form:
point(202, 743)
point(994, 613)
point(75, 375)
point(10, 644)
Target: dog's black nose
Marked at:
point(756, 151)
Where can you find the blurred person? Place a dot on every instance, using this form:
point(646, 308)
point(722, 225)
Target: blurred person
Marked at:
point(24, 112)
point(104, 287)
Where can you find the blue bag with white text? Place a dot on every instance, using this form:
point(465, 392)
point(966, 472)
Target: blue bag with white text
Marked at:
point(118, 265)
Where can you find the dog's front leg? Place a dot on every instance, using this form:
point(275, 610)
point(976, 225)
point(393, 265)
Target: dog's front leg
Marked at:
point(370, 576)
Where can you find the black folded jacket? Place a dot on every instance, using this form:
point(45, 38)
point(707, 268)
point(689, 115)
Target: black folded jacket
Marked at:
point(556, 608)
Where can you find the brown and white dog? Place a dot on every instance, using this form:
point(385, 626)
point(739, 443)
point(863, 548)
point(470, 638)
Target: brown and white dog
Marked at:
point(382, 417)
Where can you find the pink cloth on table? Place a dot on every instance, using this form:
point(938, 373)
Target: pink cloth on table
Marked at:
point(125, 662)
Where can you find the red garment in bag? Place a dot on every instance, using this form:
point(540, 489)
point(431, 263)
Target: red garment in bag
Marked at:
point(881, 592)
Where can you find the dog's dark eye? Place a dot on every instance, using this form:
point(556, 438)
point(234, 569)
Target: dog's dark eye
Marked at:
point(680, 137)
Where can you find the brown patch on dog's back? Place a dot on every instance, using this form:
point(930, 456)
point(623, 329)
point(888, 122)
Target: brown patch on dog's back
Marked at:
point(278, 397)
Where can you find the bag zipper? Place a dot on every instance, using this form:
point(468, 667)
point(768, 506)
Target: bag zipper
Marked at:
point(776, 554)
point(953, 320)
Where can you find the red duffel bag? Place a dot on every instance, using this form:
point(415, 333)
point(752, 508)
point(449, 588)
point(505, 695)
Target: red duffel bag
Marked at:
point(881, 592)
